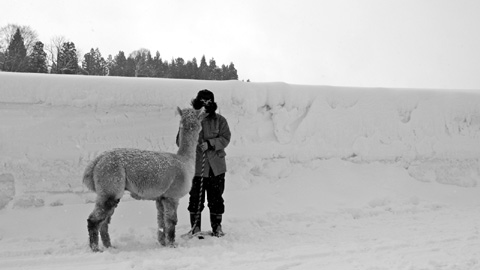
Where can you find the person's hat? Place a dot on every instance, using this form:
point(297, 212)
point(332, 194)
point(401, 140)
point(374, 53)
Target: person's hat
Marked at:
point(205, 95)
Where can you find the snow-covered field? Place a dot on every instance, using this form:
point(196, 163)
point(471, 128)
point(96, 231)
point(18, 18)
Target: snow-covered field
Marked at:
point(319, 177)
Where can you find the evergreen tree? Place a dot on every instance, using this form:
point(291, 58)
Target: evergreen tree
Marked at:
point(166, 69)
point(16, 55)
point(181, 70)
point(130, 70)
point(140, 63)
point(224, 73)
point(149, 65)
point(192, 69)
point(37, 60)
point(88, 63)
point(172, 69)
point(118, 67)
point(232, 72)
point(67, 60)
point(203, 69)
point(109, 63)
point(213, 70)
point(2, 60)
point(102, 68)
point(7, 33)
point(94, 63)
point(158, 67)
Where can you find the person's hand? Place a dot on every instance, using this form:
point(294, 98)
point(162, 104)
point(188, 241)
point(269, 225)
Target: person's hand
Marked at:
point(204, 146)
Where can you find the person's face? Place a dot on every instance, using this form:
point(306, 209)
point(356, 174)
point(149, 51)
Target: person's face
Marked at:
point(206, 102)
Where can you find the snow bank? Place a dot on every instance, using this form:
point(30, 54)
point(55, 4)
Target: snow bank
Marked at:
point(51, 126)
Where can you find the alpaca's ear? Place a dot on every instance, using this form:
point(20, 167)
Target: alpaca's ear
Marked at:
point(178, 111)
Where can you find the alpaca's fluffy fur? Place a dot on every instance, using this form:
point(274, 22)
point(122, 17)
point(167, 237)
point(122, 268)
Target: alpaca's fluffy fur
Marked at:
point(148, 175)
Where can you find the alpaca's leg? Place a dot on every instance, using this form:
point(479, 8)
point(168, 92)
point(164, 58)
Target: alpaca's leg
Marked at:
point(170, 206)
point(161, 222)
point(102, 211)
point(94, 221)
point(104, 232)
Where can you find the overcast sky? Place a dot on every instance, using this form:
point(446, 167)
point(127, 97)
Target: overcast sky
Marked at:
point(371, 43)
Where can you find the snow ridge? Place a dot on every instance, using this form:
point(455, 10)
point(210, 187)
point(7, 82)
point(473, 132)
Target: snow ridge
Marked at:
point(52, 125)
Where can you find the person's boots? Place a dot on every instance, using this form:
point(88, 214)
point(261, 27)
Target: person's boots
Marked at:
point(216, 222)
point(196, 222)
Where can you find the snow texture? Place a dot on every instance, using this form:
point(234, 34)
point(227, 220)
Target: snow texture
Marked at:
point(319, 177)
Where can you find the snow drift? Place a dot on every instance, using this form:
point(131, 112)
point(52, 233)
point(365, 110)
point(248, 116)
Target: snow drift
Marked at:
point(434, 135)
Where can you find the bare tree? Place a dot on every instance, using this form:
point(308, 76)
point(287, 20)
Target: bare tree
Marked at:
point(52, 49)
point(140, 57)
point(29, 36)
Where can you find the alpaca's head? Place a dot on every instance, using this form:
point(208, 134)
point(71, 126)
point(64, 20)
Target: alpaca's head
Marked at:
point(191, 119)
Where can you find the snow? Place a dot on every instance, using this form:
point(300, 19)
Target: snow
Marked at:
point(319, 177)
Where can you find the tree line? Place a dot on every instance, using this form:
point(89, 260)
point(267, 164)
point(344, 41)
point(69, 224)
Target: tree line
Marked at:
point(20, 51)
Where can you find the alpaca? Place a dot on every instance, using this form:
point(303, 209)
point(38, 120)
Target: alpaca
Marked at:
point(147, 175)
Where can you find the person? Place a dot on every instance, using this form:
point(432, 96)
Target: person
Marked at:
point(210, 158)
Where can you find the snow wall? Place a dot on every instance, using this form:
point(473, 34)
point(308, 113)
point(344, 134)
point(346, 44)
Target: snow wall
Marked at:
point(51, 126)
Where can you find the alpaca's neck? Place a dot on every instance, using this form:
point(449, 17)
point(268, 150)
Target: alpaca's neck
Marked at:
point(188, 143)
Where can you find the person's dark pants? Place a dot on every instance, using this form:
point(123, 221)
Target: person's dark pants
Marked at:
point(213, 187)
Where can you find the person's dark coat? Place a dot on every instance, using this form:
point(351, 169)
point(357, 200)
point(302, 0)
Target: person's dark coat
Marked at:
point(216, 132)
